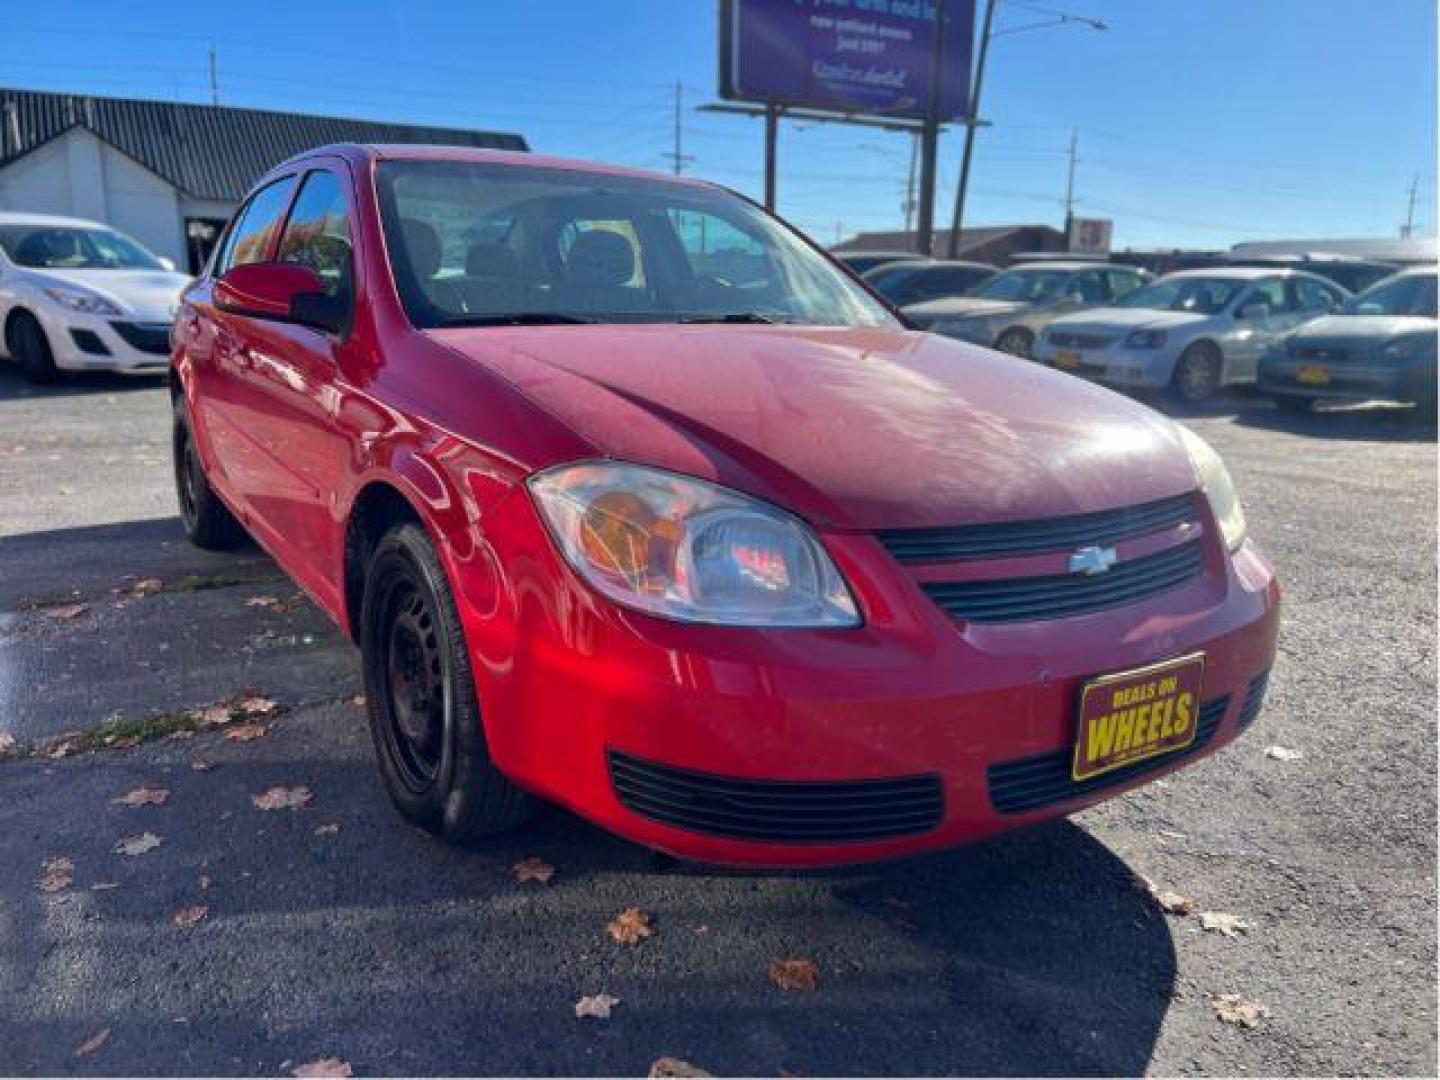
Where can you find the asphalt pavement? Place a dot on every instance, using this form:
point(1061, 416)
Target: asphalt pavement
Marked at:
point(332, 930)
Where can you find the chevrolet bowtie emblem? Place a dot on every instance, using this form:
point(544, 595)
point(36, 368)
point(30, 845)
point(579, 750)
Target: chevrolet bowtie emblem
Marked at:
point(1092, 560)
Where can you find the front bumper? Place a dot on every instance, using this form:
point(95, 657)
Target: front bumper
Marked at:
point(82, 342)
point(1115, 365)
point(569, 682)
point(1352, 380)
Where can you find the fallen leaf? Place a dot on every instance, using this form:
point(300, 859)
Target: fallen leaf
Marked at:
point(358, 701)
point(247, 732)
point(324, 1067)
point(282, 798)
point(1225, 923)
point(189, 916)
point(533, 869)
point(61, 748)
point(596, 1005)
point(327, 830)
point(1234, 1009)
point(1172, 903)
point(143, 796)
point(67, 611)
point(256, 705)
point(182, 733)
point(269, 603)
point(147, 586)
point(795, 974)
point(212, 715)
point(630, 927)
point(59, 874)
point(7, 742)
point(138, 845)
point(123, 742)
point(668, 1066)
point(93, 1043)
point(1282, 753)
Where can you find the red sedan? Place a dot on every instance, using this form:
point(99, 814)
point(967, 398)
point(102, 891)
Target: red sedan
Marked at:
point(636, 502)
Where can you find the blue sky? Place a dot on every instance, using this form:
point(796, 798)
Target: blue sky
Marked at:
point(1201, 122)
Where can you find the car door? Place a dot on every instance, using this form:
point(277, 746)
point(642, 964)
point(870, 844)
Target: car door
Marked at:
point(1261, 314)
point(291, 390)
point(212, 340)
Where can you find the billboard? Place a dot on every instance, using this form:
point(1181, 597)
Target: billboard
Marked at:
point(1090, 236)
point(873, 57)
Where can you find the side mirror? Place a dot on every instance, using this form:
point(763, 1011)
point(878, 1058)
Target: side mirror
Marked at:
point(284, 292)
point(167, 262)
point(1255, 309)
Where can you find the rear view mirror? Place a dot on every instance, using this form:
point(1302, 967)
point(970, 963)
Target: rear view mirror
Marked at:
point(284, 292)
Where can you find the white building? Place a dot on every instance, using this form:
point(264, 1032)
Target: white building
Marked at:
point(168, 174)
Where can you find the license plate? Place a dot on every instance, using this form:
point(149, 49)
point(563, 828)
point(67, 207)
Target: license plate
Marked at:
point(1312, 374)
point(1136, 715)
point(1067, 359)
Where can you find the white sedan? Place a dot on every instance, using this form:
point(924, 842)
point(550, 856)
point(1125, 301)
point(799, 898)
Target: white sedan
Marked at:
point(1189, 333)
point(78, 296)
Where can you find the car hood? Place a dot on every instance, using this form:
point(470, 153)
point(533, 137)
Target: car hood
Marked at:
point(965, 306)
point(1119, 320)
point(143, 295)
point(1358, 331)
point(850, 427)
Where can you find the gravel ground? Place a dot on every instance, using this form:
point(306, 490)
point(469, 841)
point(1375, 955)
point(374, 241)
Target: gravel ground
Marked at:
point(1039, 953)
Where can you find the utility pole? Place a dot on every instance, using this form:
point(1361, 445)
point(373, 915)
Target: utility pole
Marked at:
point(963, 184)
point(214, 82)
point(1070, 185)
point(678, 157)
point(910, 183)
point(930, 140)
point(1409, 227)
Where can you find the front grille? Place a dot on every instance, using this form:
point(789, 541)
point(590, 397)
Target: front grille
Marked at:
point(1043, 780)
point(1071, 339)
point(1254, 698)
point(1061, 595)
point(1010, 538)
point(1310, 353)
point(147, 337)
point(785, 811)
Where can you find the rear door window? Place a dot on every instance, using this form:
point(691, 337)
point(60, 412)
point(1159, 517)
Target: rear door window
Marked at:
point(250, 237)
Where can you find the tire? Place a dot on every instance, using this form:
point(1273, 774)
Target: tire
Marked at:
point(1197, 374)
point(1294, 404)
point(25, 340)
point(1017, 341)
point(424, 714)
point(207, 521)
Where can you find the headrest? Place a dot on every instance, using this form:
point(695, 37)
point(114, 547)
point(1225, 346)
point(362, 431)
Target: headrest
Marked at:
point(600, 257)
point(422, 245)
point(488, 259)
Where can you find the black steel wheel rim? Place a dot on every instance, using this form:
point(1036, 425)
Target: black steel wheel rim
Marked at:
point(412, 677)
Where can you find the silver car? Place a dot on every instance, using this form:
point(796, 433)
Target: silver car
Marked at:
point(1009, 311)
point(1189, 333)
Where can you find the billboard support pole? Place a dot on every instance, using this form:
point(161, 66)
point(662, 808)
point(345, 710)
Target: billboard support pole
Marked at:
point(772, 129)
point(953, 248)
point(930, 141)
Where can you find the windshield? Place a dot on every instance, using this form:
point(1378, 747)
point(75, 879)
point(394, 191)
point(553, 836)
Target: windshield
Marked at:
point(480, 244)
point(1201, 295)
point(64, 247)
point(1029, 285)
point(1407, 294)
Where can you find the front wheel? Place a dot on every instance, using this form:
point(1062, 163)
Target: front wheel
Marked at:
point(27, 343)
point(1017, 341)
point(424, 714)
point(1197, 374)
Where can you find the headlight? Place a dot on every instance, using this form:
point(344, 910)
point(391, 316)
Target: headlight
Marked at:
point(1406, 348)
point(1145, 339)
point(689, 550)
point(85, 302)
point(1218, 487)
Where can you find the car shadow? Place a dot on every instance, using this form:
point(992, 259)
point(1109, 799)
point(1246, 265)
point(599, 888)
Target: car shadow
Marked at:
point(1363, 423)
point(14, 385)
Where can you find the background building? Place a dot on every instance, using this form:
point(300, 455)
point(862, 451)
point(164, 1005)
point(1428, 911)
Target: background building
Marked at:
point(993, 244)
point(168, 174)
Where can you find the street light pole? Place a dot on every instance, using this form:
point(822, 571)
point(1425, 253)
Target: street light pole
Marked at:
point(952, 249)
point(930, 140)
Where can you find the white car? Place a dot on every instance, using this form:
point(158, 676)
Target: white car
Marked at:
point(1191, 332)
point(79, 296)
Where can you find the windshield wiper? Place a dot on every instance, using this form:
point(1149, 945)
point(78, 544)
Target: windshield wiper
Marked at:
point(732, 317)
point(516, 318)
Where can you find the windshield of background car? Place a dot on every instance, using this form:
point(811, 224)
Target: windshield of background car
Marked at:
point(1026, 286)
point(1202, 296)
point(64, 248)
point(479, 244)
point(1409, 294)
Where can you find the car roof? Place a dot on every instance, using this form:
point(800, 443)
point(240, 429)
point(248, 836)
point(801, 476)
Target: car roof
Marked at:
point(1240, 273)
point(16, 217)
point(1069, 264)
point(924, 264)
